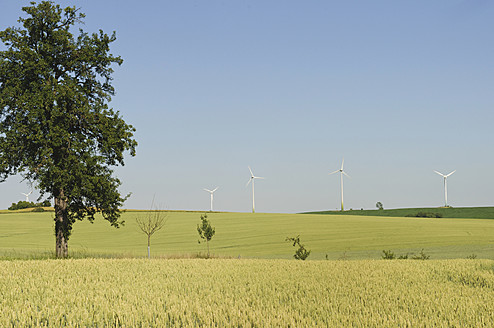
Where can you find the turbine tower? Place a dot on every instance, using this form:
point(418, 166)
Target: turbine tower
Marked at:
point(445, 186)
point(27, 195)
point(211, 192)
point(252, 178)
point(341, 179)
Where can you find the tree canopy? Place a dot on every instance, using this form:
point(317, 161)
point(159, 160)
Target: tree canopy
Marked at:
point(56, 128)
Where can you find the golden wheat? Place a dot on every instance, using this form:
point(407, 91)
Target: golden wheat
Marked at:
point(246, 293)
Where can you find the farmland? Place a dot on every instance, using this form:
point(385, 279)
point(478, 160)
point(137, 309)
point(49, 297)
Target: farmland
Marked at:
point(445, 212)
point(246, 293)
point(253, 282)
point(246, 235)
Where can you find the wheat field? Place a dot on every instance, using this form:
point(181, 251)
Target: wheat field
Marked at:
point(246, 293)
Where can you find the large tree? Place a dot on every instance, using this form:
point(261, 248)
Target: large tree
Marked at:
point(56, 129)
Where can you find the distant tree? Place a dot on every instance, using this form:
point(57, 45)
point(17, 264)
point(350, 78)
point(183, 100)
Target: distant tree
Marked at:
point(379, 206)
point(154, 221)
point(205, 230)
point(22, 204)
point(301, 253)
point(55, 125)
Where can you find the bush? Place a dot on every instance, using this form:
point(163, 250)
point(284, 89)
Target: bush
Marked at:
point(301, 253)
point(425, 215)
point(38, 209)
point(421, 256)
point(388, 255)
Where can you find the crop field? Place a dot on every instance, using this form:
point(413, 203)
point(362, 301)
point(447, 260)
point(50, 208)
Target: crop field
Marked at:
point(246, 293)
point(246, 235)
point(445, 212)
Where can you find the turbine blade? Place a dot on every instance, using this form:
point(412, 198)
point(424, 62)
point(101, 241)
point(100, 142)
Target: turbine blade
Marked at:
point(251, 174)
point(345, 174)
point(215, 189)
point(334, 172)
point(206, 189)
point(450, 173)
point(259, 178)
point(342, 162)
point(439, 173)
point(248, 182)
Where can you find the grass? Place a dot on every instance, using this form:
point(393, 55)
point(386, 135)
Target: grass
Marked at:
point(446, 212)
point(246, 235)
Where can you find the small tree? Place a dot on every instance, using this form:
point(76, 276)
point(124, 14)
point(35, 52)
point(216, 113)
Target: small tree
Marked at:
point(205, 230)
point(301, 253)
point(154, 221)
point(379, 206)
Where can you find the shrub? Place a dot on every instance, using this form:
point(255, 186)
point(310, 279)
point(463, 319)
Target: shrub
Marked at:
point(38, 209)
point(301, 253)
point(421, 256)
point(388, 255)
point(425, 215)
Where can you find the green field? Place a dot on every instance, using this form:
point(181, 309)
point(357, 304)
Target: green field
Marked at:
point(246, 235)
point(445, 212)
point(246, 293)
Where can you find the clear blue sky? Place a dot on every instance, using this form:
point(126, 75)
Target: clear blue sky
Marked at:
point(397, 88)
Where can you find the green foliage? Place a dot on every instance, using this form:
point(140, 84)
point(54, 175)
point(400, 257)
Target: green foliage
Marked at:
point(24, 204)
point(205, 230)
point(421, 256)
point(379, 206)
point(38, 209)
point(56, 128)
point(425, 215)
point(388, 255)
point(301, 253)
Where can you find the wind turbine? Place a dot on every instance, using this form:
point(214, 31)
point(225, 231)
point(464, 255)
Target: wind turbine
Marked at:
point(27, 195)
point(445, 186)
point(341, 179)
point(211, 192)
point(252, 178)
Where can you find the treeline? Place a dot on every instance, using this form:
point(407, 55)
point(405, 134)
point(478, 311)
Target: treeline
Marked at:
point(24, 204)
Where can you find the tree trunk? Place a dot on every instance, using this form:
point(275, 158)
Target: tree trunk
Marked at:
point(149, 246)
point(61, 226)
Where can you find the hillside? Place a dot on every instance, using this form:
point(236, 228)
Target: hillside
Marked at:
point(445, 212)
point(260, 235)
